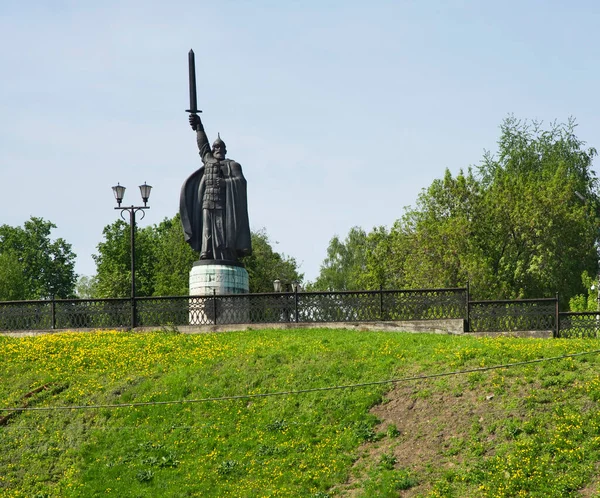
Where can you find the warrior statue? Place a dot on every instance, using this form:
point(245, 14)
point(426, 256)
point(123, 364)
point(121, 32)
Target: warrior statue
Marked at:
point(213, 205)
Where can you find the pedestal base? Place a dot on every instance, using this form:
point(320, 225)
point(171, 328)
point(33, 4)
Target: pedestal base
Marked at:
point(216, 280)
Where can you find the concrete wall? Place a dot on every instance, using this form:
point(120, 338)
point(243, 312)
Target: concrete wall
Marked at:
point(451, 326)
point(454, 326)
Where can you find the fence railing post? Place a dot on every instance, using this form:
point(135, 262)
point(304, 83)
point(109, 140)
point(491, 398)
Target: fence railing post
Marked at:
point(53, 312)
point(215, 306)
point(381, 317)
point(468, 309)
point(133, 313)
point(296, 302)
point(556, 331)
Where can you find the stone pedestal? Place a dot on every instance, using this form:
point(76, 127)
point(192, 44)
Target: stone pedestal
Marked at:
point(217, 279)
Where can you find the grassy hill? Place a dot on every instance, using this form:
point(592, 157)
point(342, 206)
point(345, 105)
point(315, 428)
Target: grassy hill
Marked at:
point(529, 430)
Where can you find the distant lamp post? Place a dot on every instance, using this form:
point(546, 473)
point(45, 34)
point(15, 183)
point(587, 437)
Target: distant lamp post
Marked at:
point(289, 306)
point(119, 192)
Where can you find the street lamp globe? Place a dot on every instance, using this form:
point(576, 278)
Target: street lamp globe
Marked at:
point(119, 192)
point(145, 191)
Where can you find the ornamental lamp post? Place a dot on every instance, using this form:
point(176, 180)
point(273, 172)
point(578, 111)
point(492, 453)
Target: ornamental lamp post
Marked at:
point(278, 286)
point(119, 192)
point(290, 301)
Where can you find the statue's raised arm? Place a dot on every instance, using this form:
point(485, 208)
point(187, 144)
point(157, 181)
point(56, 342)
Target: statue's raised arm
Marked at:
point(201, 138)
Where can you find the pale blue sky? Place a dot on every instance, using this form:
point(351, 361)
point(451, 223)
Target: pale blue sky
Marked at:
point(340, 112)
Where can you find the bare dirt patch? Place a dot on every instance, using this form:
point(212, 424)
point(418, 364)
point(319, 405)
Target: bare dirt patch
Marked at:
point(593, 487)
point(433, 428)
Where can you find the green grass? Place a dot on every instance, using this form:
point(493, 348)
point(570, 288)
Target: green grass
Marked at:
point(542, 437)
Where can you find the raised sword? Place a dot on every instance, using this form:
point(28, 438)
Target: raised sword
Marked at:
point(192, 74)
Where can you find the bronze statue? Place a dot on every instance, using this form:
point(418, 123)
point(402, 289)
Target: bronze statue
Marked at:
point(213, 203)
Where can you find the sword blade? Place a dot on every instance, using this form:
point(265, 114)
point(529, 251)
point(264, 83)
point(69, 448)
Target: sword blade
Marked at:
point(192, 75)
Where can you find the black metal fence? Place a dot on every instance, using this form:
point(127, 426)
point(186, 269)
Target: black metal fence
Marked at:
point(513, 315)
point(301, 307)
point(298, 307)
point(583, 324)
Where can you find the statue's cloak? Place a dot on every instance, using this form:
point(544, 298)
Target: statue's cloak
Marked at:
point(237, 227)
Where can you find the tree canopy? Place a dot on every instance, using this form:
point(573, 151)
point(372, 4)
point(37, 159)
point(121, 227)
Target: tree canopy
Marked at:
point(265, 265)
point(345, 262)
point(32, 264)
point(514, 227)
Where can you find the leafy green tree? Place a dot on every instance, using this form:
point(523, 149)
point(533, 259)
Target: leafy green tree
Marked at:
point(344, 264)
point(537, 235)
point(86, 287)
point(13, 286)
point(387, 257)
point(265, 265)
point(173, 259)
point(440, 246)
point(37, 266)
point(588, 301)
point(113, 261)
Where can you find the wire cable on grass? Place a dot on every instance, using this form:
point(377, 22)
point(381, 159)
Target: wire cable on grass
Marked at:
point(74, 428)
point(298, 391)
point(490, 411)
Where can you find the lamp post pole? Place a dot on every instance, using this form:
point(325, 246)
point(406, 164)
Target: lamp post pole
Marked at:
point(119, 192)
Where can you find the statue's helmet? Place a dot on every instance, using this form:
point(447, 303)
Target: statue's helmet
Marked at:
point(218, 142)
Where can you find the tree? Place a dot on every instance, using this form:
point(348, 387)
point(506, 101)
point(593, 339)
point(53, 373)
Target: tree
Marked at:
point(386, 258)
point(13, 286)
point(173, 259)
point(440, 245)
point(86, 287)
point(589, 300)
point(265, 265)
point(344, 264)
point(538, 236)
point(113, 261)
point(36, 266)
